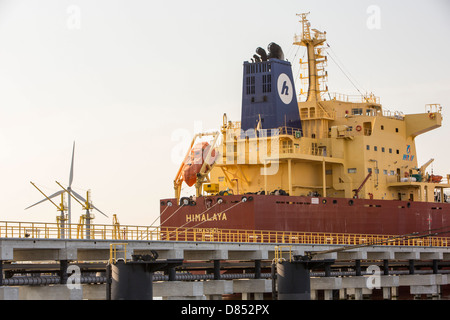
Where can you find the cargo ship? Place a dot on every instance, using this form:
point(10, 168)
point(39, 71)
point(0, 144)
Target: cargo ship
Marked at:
point(331, 163)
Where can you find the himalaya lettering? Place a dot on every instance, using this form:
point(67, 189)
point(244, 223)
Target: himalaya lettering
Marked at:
point(200, 217)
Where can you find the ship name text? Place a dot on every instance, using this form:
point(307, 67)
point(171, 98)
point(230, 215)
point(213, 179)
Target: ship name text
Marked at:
point(200, 217)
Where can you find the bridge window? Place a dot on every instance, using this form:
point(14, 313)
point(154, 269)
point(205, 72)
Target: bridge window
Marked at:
point(357, 111)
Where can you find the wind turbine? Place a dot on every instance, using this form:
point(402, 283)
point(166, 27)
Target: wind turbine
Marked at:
point(69, 190)
point(88, 206)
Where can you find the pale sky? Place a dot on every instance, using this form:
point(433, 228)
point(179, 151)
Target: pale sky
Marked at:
point(123, 79)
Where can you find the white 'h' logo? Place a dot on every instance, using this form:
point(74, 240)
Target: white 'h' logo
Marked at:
point(285, 89)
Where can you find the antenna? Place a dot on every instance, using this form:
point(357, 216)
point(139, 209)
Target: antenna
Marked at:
point(305, 25)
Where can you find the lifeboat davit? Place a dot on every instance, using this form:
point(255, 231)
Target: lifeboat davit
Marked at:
point(194, 162)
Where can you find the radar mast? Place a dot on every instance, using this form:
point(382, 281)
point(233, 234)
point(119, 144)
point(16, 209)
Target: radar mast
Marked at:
point(315, 75)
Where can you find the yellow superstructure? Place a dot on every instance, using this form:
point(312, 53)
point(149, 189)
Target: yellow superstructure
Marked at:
point(349, 146)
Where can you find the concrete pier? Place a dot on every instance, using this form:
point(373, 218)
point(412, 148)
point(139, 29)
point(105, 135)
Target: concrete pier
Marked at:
point(51, 292)
point(358, 286)
point(249, 287)
point(216, 289)
point(9, 293)
point(343, 288)
point(179, 290)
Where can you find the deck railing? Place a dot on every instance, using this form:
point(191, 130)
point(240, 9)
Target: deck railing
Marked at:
point(39, 230)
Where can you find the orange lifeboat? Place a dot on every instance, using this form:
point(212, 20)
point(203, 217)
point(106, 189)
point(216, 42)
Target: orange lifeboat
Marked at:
point(194, 162)
point(435, 179)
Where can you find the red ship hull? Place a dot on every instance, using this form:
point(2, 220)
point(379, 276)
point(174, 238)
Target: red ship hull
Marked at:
point(307, 214)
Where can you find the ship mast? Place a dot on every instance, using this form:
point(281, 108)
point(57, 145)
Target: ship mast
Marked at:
point(316, 74)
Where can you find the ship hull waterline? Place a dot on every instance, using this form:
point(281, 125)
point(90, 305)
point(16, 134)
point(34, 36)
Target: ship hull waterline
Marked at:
point(307, 214)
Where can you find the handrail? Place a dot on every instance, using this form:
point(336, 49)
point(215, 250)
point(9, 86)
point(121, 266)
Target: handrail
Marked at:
point(279, 253)
point(371, 98)
point(113, 252)
point(40, 230)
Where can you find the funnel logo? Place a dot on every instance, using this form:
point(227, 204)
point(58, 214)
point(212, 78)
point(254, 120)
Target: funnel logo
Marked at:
point(285, 89)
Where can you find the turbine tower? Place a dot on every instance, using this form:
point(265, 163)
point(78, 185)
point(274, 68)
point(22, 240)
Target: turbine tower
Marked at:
point(69, 188)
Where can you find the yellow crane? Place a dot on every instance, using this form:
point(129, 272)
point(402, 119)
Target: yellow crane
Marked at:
point(425, 166)
point(61, 208)
point(421, 174)
point(88, 206)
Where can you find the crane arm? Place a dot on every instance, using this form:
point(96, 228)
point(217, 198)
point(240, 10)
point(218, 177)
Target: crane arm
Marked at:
point(423, 168)
point(362, 184)
point(70, 194)
point(46, 197)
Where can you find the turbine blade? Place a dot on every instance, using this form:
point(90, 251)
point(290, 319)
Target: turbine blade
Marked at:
point(49, 197)
point(71, 166)
point(84, 200)
point(78, 196)
point(99, 211)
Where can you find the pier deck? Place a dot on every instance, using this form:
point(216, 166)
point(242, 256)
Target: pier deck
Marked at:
point(424, 268)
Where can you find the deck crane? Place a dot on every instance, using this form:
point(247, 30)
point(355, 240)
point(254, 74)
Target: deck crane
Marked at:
point(421, 170)
point(62, 208)
point(356, 191)
point(425, 166)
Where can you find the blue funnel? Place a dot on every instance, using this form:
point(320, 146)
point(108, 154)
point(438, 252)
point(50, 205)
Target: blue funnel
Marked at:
point(269, 100)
